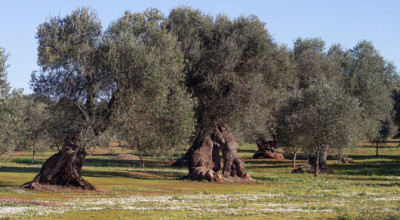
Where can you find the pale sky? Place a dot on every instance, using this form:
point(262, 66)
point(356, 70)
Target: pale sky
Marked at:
point(340, 21)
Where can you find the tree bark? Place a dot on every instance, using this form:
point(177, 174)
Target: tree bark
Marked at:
point(268, 149)
point(63, 168)
point(322, 166)
point(316, 167)
point(313, 162)
point(201, 161)
point(141, 160)
point(294, 160)
point(204, 160)
point(377, 148)
point(33, 155)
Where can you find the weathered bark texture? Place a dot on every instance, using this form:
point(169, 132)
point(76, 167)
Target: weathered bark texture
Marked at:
point(204, 160)
point(312, 165)
point(63, 168)
point(316, 165)
point(294, 160)
point(268, 149)
point(201, 162)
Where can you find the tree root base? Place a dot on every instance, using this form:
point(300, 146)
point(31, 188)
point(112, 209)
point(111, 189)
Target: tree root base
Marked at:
point(52, 187)
point(310, 169)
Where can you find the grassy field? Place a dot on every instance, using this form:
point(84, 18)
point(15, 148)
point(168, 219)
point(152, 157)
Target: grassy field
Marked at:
point(368, 189)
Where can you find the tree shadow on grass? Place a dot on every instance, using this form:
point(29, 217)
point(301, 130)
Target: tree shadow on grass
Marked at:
point(246, 151)
point(381, 168)
point(8, 169)
point(143, 175)
point(368, 157)
point(125, 163)
point(6, 184)
point(267, 164)
point(94, 162)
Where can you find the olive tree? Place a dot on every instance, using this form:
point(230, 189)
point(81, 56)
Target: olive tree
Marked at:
point(369, 78)
point(323, 116)
point(10, 109)
point(88, 74)
point(34, 133)
point(310, 64)
point(224, 60)
point(156, 117)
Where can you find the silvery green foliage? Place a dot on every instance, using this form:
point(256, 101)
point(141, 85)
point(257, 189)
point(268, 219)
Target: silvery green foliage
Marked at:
point(93, 76)
point(10, 110)
point(321, 117)
point(370, 78)
point(227, 66)
point(34, 134)
point(68, 50)
point(4, 86)
point(156, 117)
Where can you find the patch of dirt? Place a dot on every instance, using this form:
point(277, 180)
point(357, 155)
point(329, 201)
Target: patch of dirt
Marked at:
point(126, 157)
point(38, 203)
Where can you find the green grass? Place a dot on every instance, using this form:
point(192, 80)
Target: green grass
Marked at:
point(368, 189)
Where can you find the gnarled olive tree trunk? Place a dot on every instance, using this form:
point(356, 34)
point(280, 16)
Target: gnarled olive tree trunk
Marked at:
point(204, 159)
point(311, 167)
point(268, 149)
point(63, 168)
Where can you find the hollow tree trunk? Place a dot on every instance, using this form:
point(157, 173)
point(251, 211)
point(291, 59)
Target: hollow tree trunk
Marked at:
point(204, 160)
point(202, 164)
point(63, 168)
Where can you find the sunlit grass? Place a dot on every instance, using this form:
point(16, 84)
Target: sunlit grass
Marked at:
point(368, 189)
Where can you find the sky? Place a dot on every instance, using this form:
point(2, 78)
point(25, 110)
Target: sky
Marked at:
point(341, 21)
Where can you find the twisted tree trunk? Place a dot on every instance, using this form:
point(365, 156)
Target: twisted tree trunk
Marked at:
point(315, 164)
point(202, 164)
point(63, 168)
point(204, 159)
point(322, 166)
point(268, 149)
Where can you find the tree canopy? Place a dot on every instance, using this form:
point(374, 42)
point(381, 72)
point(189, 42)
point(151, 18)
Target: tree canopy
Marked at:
point(224, 63)
point(11, 114)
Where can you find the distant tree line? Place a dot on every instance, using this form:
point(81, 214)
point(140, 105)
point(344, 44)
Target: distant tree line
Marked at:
point(161, 82)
